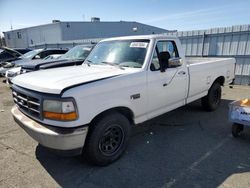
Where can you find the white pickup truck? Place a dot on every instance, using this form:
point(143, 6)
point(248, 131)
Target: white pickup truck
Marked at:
point(124, 81)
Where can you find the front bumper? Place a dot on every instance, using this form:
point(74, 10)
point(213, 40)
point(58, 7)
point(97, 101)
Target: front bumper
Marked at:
point(3, 71)
point(60, 139)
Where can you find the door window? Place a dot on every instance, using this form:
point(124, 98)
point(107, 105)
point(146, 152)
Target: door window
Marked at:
point(44, 54)
point(163, 46)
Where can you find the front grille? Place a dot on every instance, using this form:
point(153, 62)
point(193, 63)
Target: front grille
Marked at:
point(27, 103)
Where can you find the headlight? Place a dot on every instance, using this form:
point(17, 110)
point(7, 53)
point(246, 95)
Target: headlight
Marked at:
point(59, 110)
point(23, 71)
point(12, 74)
point(8, 65)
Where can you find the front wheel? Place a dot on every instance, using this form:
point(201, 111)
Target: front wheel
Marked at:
point(212, 100)
point(237, 129)
point(107, 139)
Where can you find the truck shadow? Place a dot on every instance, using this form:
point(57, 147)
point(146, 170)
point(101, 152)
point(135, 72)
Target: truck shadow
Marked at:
point(184, 148)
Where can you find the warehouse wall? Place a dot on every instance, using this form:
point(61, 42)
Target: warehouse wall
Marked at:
point(67, 34)
point(24, 38)
point(86, 30)
point(221, 42)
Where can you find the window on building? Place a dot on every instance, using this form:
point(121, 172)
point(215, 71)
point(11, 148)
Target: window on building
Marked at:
point(19, 36)
point(8, 36)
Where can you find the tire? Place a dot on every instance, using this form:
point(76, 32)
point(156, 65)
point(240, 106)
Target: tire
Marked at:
point(107, 139)
point(212, 100)
point(237, 129)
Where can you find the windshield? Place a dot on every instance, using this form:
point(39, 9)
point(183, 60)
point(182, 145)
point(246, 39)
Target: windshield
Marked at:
point(53, 56)
point(31, 54)
point(78, 52)
point(125, 53)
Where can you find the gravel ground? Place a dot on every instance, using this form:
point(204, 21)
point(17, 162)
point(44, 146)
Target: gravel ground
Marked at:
point(184, 148)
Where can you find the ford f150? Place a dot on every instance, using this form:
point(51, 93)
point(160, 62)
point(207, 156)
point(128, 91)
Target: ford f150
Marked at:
point(124, 81)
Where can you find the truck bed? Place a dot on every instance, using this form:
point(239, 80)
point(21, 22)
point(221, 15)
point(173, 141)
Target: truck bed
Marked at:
point(201, 60)
point(203, 71)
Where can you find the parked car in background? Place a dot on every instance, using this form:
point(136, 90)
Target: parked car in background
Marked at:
point(7, 54)
point(75, 56)
point(37, 54)
point(11, 73)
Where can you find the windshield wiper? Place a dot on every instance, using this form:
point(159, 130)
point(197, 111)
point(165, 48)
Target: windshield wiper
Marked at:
point(88, 62)
point(113, 64)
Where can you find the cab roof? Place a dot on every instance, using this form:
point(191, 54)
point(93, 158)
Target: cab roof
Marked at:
point(153, 36)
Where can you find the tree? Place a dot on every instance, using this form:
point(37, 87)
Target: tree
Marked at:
point(2, 41)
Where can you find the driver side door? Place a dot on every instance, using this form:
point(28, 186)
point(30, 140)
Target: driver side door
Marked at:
point(166, 90)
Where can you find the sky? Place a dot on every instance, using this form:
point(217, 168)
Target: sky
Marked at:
point(181, 15)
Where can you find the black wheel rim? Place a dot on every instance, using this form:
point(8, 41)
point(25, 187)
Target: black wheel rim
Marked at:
point(216, 97)
point(111, 140)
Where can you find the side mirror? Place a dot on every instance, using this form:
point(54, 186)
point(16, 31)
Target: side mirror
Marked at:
point(37, 57)
point(174, 62)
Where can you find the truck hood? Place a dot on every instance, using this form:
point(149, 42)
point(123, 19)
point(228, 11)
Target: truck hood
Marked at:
point(11, 51)
point(55, 80)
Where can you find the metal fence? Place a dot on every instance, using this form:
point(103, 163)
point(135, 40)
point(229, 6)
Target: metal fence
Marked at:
point(221, 42)
point(217, 42)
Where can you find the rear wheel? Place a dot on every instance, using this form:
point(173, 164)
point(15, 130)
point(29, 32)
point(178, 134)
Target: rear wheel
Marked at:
point(107, 139)
point(237, 129)
point(212, 100)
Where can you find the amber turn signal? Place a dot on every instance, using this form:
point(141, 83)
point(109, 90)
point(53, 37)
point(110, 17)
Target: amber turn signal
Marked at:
point(60, 116)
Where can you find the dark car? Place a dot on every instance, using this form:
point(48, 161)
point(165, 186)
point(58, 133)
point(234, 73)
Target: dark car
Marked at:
point(74, 56)
point(7, 54)
point(28, 57)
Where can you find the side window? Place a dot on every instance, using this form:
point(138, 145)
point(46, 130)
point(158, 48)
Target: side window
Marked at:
point(39, 54)
point(19, 36)
point(60, 51)
point(51, 52)
point(44, 54)
point(168, 47)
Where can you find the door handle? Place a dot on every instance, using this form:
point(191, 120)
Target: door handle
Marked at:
point(181, 73)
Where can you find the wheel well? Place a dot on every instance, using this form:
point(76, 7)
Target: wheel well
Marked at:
point(220, 80)
point(122, 110)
